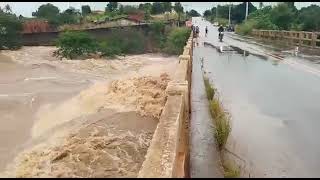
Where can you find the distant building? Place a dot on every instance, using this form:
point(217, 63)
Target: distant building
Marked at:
point(137, 18)
point(35, 26)
point(97, 12)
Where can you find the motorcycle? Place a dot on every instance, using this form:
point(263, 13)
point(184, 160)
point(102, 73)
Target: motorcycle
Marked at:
point(220, 36)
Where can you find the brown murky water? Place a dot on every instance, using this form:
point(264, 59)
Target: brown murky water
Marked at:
point(43, 100)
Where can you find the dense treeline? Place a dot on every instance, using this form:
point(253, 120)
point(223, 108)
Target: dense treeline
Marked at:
point(11, 25)
point(75, 44)
point(283, 16)
point(10, 28)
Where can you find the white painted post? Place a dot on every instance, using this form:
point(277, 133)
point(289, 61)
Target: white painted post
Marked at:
point(229, 13)
point(247, 7)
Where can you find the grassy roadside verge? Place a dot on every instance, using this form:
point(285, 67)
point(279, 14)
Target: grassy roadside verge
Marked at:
point(221, 119)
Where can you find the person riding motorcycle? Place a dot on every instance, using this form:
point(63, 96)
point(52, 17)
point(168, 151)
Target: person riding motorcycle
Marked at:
point(220, 29)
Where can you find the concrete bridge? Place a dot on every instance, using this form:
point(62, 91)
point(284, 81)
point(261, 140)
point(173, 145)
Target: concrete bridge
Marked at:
point(274, 144)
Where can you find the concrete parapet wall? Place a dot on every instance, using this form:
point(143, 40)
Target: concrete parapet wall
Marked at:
point(168, 154)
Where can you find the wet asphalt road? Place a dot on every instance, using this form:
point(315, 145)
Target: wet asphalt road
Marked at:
point(273, 98)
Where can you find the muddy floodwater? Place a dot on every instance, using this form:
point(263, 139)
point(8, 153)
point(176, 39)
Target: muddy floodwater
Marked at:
point(78, 118)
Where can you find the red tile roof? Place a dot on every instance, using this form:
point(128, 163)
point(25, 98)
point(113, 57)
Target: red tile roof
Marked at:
point(34, 26)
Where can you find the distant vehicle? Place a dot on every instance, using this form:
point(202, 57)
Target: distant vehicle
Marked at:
point(215, 24)
point(220, 36)
point(230, 28)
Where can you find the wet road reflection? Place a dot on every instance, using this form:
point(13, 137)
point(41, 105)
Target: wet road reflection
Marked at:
point(274, 103)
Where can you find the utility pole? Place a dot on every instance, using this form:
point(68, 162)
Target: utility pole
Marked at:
point(247, 7)
point(217, 11)
point(229, 13)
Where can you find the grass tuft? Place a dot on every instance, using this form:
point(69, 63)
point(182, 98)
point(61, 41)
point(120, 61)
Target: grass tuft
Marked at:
point(209, 89)
point(220, 116)
point(231, 170)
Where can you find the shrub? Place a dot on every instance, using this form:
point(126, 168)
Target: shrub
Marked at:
point(10, 28)
point(134, 42)
point(157, 33)
point(75, 44)
point(220, 116)
point(176, 40)
point(245, 28)
point(122, 42)
point(230, 170)
point(222, 122)
point(110, 48)
point(209, 89)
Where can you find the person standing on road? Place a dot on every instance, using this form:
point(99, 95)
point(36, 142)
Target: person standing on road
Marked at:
point(206, 31)
point(221, 29)
point(197, 31)
point(197, 35)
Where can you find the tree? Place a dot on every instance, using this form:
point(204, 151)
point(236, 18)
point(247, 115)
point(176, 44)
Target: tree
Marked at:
point(239, 12)
point(121, 9)
point(193, 13)
point(69, 16)
point(179, 9)
point(10, 30)
point(47, 11)
point(290, 4)
point(127, 9)
point(167, 6)
point(309, 18)
point(157, 8)
point(207, 13)
point(7, 9)
point(282, 16)
point(260, 5)
point(85, 10)
point(111, 6)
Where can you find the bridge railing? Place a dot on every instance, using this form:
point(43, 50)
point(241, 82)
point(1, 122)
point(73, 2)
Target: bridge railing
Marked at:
point(301, 38)
point(168, 154)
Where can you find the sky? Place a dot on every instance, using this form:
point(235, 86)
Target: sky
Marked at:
point(26, 8)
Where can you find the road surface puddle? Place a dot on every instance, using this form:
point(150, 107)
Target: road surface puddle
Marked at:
point(274, 112)
point(78, 118)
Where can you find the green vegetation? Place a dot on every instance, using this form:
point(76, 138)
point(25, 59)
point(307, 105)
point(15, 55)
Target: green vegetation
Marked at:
point(75, 44)
point(237, 15)
point(85, 10)
point(209, 89)
point(222, 122)
point(148, 12)
point(193, 13)
point(230, 170)
point(176, 40)
point(284, 16)
point(222, 129)
point(220, 116)
point(55, 18)
point(10, 28)
point(158, 33)
point(179, 9)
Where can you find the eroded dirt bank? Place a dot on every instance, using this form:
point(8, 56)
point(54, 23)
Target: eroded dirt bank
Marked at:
point(79, 118)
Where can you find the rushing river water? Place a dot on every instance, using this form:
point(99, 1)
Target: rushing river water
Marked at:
point(44, 99)
point(274, 106)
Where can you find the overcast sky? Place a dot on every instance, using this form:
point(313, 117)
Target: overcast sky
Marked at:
point(26, 8)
